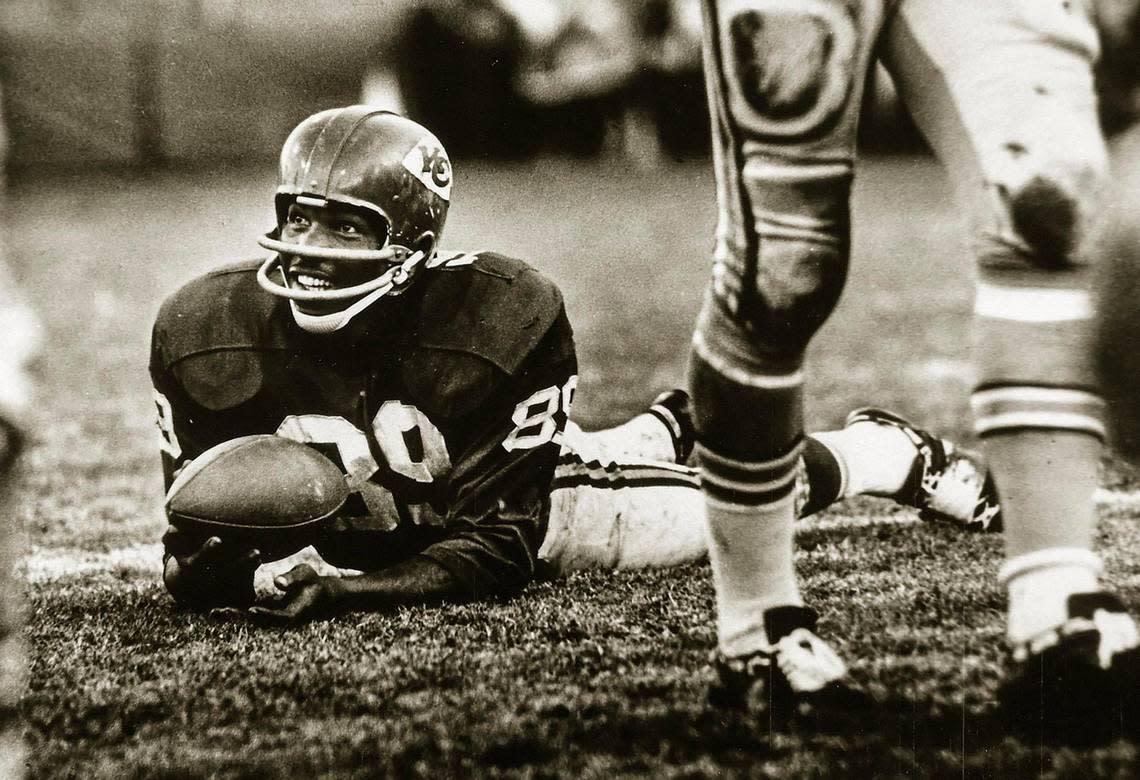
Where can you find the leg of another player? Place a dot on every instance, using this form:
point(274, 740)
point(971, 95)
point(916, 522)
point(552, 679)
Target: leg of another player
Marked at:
point(1030, 141)
point(784, 84)
point(623, 498)
point(12, 650)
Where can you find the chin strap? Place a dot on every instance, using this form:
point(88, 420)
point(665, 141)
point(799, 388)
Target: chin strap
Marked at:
point(391, 282)
point(322, 324)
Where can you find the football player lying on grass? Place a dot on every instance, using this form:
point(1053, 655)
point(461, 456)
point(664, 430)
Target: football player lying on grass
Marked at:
point(440, 383)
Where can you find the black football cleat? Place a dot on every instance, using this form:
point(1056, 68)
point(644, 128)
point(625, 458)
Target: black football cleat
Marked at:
point(674, 409)
point(798, 681)
point(1077, 684)
point(945, 483)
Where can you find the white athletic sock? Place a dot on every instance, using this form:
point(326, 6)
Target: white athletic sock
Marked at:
point(1040, 583)
point(643, 436)
point(875, 459)
point(750, 549)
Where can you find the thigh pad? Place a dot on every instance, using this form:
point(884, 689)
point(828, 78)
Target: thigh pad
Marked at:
point(789, 65)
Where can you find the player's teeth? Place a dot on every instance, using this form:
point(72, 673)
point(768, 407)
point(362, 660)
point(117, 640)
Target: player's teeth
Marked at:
point(311, 281)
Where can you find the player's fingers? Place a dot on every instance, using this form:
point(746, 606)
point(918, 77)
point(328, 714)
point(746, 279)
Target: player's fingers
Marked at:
point(216, 552)
point(268, 616)
point(227, 613)
point(250, 559)
point(293, 612)
point(300, 573)
point(206, 553)
point(178, 541)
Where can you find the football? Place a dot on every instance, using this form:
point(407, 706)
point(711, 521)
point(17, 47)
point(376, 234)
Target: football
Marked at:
point(263, 491)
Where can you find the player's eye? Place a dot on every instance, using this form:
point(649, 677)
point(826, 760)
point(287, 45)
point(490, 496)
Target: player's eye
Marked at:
point(347, 228)
point(297, 218)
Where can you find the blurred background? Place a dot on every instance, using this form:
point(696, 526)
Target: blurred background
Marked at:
point(92, 83)
point(171, 82)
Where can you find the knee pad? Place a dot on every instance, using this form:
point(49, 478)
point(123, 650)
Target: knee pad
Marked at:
point(1047, 206)
point(1034, 307)
point(780, 292)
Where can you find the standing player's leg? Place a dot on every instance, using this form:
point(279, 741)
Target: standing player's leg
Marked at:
point(1004, 92)
point(784, 82)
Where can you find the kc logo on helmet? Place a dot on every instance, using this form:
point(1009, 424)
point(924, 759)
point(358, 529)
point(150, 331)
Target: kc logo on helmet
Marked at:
point(428, 162)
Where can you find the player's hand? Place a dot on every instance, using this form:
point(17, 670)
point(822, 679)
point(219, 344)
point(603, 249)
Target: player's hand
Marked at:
point(212, 573)
point(307, 596)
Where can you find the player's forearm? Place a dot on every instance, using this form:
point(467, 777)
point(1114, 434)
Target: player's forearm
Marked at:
point(413, 582)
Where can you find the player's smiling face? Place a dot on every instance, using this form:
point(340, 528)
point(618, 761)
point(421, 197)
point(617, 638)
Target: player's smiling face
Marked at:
point(331, 226)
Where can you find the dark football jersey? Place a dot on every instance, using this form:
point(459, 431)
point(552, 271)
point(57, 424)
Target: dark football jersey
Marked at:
point(444, 410)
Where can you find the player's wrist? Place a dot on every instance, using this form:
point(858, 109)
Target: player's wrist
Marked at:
point(381, 591)
point(338, 589)
point(350, 593)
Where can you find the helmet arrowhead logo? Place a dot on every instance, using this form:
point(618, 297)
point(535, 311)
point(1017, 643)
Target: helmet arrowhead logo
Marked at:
point(428, 162)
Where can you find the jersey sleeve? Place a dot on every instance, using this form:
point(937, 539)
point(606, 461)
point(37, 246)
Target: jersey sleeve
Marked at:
point(499, 493)
point(178, 440)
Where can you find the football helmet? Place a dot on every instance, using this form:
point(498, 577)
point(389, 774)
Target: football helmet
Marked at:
point(393, 169)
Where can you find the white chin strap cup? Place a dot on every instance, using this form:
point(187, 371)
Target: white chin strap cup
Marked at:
point(363, 295)
point(321, 324)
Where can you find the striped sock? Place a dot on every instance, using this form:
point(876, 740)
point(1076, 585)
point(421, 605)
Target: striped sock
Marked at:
point(824, 476)
point(750, 510)
point(1041, 422)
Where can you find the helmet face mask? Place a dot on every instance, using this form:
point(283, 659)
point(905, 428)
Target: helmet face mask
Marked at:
point(361, 203)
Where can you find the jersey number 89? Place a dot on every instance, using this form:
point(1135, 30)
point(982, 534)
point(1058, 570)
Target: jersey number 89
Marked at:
point(535, 418)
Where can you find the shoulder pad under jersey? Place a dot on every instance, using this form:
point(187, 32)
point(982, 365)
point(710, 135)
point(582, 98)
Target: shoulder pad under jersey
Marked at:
point(488, 305)
point(209, 331)
point(224, 308)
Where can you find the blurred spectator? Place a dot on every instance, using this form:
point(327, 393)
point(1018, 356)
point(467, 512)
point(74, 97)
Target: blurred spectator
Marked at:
point(672, 83)
point(501, 77)
point(573, 49)
point(455, 63)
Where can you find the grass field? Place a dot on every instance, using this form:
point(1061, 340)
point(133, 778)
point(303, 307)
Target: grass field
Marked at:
point(596, 675)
